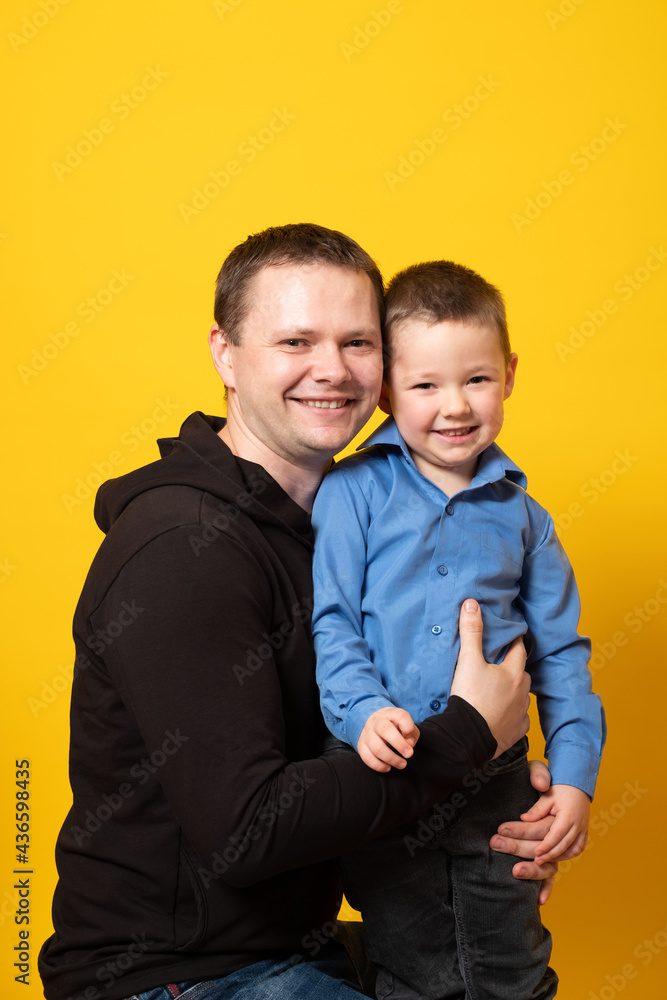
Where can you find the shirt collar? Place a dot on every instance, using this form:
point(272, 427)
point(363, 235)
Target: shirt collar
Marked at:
point(494, 464)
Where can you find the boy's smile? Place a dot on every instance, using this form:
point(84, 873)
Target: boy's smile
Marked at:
point(446, 386)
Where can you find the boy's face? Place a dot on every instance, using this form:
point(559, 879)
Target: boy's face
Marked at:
point(446, 386)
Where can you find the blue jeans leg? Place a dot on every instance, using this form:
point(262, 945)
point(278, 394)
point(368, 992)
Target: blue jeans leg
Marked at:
point(328, 977)
point(444, 918)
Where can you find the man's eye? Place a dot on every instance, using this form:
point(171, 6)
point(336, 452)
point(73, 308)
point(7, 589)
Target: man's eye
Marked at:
point(293, 342)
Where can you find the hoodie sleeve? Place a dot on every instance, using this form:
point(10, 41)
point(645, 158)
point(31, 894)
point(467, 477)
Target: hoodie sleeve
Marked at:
point(189, 625)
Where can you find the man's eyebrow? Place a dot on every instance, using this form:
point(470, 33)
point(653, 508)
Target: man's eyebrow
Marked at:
point(305, 331)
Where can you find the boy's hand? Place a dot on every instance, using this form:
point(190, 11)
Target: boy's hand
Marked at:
point(386, 731)
point(570, 809)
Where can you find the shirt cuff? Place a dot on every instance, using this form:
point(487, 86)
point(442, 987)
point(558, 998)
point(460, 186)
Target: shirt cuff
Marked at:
point(572, 764)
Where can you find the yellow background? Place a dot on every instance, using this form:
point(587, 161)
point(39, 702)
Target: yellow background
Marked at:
point(358, 85)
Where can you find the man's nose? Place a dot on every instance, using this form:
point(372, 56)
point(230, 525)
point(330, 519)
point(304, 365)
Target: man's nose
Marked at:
point(329, 364)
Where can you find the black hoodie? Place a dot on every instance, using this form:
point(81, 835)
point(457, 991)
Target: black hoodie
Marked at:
point(204, 822)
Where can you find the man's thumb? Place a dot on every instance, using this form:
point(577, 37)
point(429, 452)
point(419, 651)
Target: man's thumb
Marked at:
point(470, 627)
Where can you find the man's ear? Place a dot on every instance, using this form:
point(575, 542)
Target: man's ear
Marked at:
point(509, 378)
point(222, 355)
point(384, 402)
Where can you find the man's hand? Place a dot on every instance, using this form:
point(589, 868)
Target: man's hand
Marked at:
point(387, 733)
point(499, 692)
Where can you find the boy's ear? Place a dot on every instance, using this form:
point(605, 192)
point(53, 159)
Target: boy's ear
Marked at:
point(384, 402)
point(509, 378)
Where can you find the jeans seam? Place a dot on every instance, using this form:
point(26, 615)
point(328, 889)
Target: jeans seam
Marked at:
point(471, 993)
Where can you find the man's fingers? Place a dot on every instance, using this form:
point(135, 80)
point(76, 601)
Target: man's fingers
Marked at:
point(545, 891)
point(516, 656)
point(536, 831)
point(531, 870)
point(540, 778)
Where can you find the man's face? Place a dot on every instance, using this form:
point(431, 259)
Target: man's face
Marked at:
point(306, 375)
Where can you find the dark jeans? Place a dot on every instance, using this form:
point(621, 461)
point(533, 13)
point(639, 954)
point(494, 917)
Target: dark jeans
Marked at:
point(444, 918)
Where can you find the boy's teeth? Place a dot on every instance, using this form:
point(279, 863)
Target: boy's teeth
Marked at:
point(458, 433)
point(326, 404)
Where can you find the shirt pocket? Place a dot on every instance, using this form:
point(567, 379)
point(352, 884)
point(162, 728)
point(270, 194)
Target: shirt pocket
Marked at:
point(499, 567)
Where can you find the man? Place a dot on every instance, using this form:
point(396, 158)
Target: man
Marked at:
point(200, 845)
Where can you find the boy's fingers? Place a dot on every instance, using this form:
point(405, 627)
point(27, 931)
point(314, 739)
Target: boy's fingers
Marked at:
point(547, 852)
point(370, 760)
point(536, 812)
point(391, 736)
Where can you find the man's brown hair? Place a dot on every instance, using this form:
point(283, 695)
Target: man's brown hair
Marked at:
point(300, 243)
point(442, 290)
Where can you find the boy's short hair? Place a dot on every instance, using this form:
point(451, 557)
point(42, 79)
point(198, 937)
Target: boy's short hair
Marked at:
point(298, 243)
point(441, 290)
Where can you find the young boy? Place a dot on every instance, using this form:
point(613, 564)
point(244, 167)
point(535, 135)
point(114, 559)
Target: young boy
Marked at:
point(431, 513)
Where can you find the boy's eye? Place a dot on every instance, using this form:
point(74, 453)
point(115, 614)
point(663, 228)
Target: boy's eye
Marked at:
point(476, 379)
point(423, 385)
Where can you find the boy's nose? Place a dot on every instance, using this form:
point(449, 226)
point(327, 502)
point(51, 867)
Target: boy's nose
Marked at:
point(454, 402)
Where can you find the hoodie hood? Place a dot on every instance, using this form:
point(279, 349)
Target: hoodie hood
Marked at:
point(199, 458)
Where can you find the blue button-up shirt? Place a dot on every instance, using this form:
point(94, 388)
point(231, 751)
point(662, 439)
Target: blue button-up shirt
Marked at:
point(395, 558)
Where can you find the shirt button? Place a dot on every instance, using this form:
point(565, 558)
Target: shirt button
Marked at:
point(449, 509)
point(436, 630)
point(435, 704)
point(442, 570)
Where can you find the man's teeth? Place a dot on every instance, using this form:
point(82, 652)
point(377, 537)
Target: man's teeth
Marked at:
point(326, 404)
